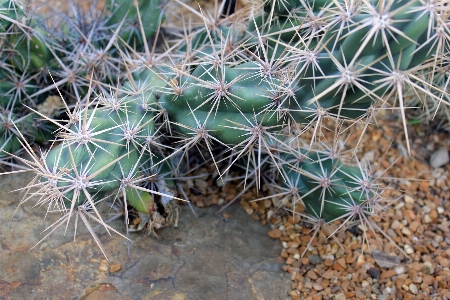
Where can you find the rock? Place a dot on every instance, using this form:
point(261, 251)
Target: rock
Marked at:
point(409, 199)
point(439, 157)
point(315, 259)
point(340, 296)
point(417, 279)
point(413, 226)
point(413, 289)
point(428, 279)
point(385, 260)
point(395, 224)
point(204, 258)
point(426, 219)
point(408, 249)
point(374, 273)
point(368, 158)
point(103, 267)
point(427, 268)
point(400, 270)
point(422, 249)
point(115, 268)
point(388, 274)
point(406, 231)
point(274, 233)
point(312, 275)
point(202, 185)
point(317, 287)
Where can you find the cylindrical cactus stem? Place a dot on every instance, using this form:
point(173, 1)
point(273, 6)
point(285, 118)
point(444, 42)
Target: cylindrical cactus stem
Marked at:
point(350, 52)
point(102, 149)
point(331, 190)
point(11, 13)
point(10, 126)
point(227, 102)
point(139, 19)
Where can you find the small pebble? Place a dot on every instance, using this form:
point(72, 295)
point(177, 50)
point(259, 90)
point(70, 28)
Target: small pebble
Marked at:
point(413, 289)
point(274, 233)
point(399, 206)
point(374, 273)
point(340, 296)
point(385, 260)
point(426, 219)
point(408, 249)
point(317, 287)
point(439, 157)
point(226, 215)
point(103, 267)
point(202, 185)
point(395, 224)
point(417, 279)
point(409, 199)
point(312, 275)
point(315, 259)
point(406, 231)
point(400, 270)
point(115, 268)
point(390, 232)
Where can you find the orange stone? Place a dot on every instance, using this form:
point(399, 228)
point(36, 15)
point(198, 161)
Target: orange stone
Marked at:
point(274, 233)
point(387, 274)
point(115, 268)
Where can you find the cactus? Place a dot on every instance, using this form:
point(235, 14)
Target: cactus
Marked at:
point(104, 150)
point(9, 141)
point(331, 190)
point(10, 13)
point(259, 89)
point(139, 20)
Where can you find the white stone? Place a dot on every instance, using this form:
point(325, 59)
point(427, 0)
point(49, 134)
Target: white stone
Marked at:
point(395, 224)
point(202, 185)
point(409, 199)
point(406, 231)
point(439, 157)
point(408, 249)
point(399, 206)
point(426, 219)
point(413, 289)
point(400, 270)
point(340, 296)
point(368, 158)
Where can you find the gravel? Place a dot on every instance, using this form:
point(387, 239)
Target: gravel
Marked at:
point(415, 264)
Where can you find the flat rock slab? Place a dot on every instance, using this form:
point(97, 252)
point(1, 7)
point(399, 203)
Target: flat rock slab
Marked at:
point(205, 258)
